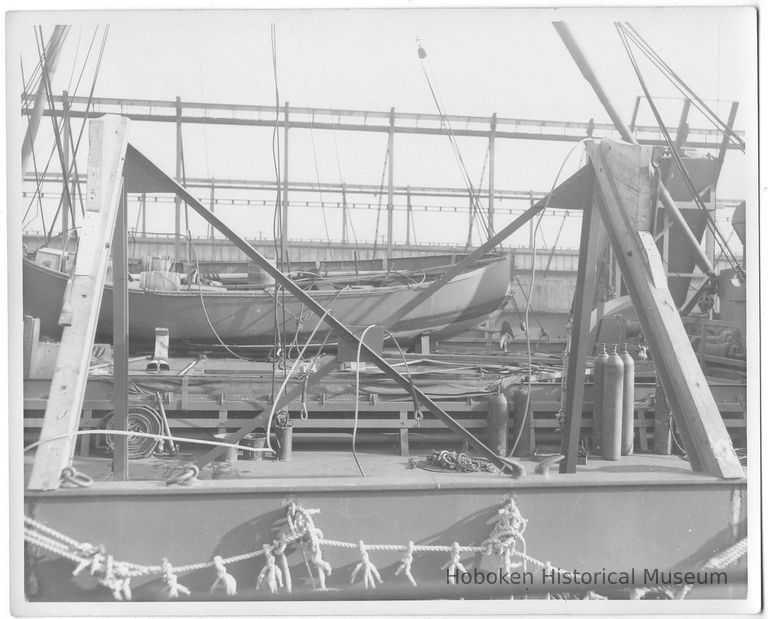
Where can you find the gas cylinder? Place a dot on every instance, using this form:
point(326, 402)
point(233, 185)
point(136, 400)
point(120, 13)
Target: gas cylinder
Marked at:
point(613, 389)
point(597, 397)
point(497, 424)
point(628, 407)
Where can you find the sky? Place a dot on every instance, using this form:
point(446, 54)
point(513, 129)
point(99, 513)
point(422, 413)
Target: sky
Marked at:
point(480, 61)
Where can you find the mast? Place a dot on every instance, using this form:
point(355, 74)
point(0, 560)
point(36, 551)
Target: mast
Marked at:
point(666, 199)
point(50, 62)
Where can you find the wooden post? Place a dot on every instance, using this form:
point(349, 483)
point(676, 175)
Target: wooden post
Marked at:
point(106, 153)
point(66, 206)
point(625, 189)
point(120, 340)
point(390, 188)
point(284, 231)
point(31, 339)
point(582, 311)
point(177, 200)
point(491, 173)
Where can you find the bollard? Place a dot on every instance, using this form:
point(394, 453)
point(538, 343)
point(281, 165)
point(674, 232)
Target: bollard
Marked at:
point(497, 424)
point(613, 389)
point(628, 406)
point(597, 398)
point(284, 436)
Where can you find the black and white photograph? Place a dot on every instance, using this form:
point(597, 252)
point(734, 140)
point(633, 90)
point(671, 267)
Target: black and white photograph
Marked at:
point(414, 310)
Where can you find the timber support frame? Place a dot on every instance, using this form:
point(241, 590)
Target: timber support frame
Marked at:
point(623, 197)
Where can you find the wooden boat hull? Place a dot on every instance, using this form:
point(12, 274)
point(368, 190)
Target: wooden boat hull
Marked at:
point(248, 317)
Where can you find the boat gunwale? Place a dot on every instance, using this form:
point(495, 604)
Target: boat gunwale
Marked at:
point(347, 291)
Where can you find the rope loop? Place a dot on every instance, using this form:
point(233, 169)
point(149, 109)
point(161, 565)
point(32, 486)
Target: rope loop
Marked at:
point(455, 565)
point(117, 578)
point(224, 579)
point(370, 573)
point(406, 563)
point(92, 557)
point(282, 544)
point(270, 572)
point(70, 475)
point(171, 581)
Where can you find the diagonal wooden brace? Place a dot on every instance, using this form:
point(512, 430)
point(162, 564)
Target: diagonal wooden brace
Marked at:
point(623, 180)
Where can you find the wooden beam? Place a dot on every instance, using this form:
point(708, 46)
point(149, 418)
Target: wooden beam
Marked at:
point(582, 312)
point(141, 162)
point(120, 340)
point(108, 140)
point(622, 172)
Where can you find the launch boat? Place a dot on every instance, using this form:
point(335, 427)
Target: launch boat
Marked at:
point(207, 314)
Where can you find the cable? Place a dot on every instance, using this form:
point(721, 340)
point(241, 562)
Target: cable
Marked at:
point(129, 433)
point(718, 235)
point(681, 86)
point(357, 399)
point(519, 432)
point(445, 122)
point(293, 368)
point(378, 208)
point(202, 302)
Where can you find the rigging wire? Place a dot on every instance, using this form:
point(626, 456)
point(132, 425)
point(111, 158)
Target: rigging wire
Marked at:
point(378, 208)
point(681, 86)
point(526, 411)
point(76, 147)
point(54, 122)
point(277, 221)
point(445, 123)
point(322, 199)
point(717, 234)
point(38, 188)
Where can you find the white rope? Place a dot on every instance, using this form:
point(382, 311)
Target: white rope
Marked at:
point(116, 575)
point(146, 435)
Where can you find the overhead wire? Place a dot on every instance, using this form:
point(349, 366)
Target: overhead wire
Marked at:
point(445, 123)
point(56, 134)
point(379, 196)
point(711, 224)
point(75, 148)
point(277, 222)
point(682, 87)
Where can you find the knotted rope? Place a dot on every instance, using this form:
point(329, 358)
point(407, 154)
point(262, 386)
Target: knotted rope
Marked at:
point(507, 532)
point(300, 518)
point(280, 552)
point(171, 581)
point(369, 569)
point(405, 565)
point(116, 578)
point(270, 572)
point(224, 580)
point(455, 563)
